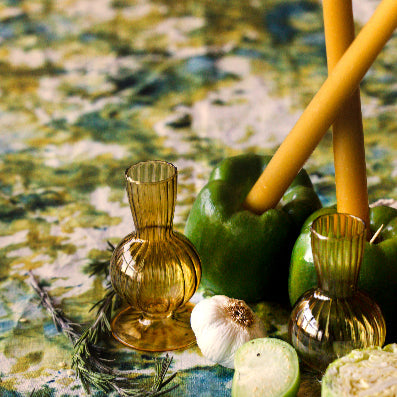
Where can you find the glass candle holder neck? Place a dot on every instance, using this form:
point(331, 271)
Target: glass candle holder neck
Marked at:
point(337, 245)
point(151, 188)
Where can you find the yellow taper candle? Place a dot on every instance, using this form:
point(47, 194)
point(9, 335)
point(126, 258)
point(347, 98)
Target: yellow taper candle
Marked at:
point(323, 109)
point(348, 136)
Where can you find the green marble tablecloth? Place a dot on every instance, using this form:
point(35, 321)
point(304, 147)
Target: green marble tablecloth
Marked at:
point(88, 87)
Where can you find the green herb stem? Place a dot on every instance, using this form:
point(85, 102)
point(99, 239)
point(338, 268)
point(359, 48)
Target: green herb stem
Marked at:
point(89, 361)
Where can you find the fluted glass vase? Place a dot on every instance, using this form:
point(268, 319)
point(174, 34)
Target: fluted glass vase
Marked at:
point(154, 269)
point(331, 320)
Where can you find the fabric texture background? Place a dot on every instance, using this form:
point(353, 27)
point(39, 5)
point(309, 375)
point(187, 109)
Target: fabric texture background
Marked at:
point(88, 88)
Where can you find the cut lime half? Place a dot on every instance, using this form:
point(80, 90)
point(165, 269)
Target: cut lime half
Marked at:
point(370, 372)
point(266, 367)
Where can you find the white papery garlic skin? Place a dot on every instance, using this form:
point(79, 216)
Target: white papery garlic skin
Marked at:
point(222, 325)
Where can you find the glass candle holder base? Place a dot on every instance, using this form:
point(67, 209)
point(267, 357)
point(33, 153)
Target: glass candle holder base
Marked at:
point(134, 330)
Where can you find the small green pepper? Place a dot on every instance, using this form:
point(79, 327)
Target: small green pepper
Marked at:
point(378, 273)
point(245, 255)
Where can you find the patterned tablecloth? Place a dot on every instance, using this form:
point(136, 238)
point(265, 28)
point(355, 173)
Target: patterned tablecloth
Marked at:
point(88, 87)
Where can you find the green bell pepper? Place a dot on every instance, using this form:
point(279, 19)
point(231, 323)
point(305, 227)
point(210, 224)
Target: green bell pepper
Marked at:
point(378, 273)
point(245, 255)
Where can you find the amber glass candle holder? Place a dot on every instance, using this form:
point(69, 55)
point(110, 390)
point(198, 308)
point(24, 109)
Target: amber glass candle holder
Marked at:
point(331, 320)
point(154, 269)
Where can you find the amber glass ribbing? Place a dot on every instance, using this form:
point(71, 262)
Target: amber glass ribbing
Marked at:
point(329, 321)
point(154, 269)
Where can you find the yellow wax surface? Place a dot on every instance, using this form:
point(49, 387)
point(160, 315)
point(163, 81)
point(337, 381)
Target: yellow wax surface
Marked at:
point(323, 109)
point(348, 136)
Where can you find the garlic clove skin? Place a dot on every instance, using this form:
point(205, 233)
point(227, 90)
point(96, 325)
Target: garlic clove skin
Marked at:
point(221, 325)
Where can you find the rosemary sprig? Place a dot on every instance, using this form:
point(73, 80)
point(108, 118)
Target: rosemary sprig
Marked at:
point(61, 322)
point(99, 266)
point(45, 391)
point(88, 360)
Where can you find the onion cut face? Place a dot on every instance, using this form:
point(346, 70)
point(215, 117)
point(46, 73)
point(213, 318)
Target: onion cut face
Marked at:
point(370, 372)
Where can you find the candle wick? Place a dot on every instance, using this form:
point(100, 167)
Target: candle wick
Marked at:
point(375, 236)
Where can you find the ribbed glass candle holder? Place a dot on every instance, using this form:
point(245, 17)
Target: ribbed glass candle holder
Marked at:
point(154, 269)
point(331, 320)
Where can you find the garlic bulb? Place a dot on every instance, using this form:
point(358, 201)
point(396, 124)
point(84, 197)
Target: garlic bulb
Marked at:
point(222, 325)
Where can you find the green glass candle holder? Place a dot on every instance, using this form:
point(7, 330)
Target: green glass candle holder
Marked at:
point(154, 269)
point(329, 321)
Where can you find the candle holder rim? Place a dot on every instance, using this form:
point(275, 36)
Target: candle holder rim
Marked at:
point(136, 182)
point(322, 237)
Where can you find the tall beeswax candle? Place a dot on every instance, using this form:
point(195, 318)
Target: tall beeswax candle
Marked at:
point(348, 136)
point(323, 109)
